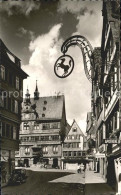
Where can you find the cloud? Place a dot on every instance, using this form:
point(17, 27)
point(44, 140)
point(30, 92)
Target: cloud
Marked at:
point(45, 51)
point(89, 17)
point(24, 32)
point(19, 7)
point(75, 7)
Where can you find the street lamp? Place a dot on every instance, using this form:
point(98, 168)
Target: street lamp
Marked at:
point(65, 64)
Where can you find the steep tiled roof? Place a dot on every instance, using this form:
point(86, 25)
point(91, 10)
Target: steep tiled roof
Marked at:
point(49, 107)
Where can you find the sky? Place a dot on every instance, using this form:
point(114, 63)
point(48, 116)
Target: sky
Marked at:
point(35, 30)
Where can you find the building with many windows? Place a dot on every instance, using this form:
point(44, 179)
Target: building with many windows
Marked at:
point(11, 82)
point(73, 149)
point(106, 99)
point(43, 129)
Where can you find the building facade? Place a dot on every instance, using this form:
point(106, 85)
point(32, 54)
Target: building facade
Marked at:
point(106, 96)
point(43, 129)
point(91, 139)
point(11, 82)
point(73, 148)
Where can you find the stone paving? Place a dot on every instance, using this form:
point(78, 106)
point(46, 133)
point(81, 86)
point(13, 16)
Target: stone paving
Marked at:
point(73, 178)
point(91, 177)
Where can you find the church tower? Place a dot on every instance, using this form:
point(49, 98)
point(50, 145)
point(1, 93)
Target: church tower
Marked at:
point(36, 93)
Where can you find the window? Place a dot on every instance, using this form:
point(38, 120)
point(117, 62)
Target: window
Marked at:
point(75, 129)
point(55, 149)
point(36, 126)
point(55, 125)
point(8, 130)
point(74, 145)
point(65, 154)
point(45, 126)
point(2, 70)
point(27, 150)
point(70, 153)
point(3, 129)
point(79, 153)
point(74, 153)
point(36, 138)
point(44, 108)
point(25, 126)
point(9, 104)
point(44, 138)
point(17, 83)
point(33, 138)
point(45, 102)
point(4, 96)
point(16, 107)
point(14, 132)
point(43, 115)
point(45, 150)
point(11, 78)
point(55, 137)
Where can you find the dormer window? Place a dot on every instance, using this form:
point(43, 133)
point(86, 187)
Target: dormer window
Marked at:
point(44, 108)
point(43, 115)
point(45, 102)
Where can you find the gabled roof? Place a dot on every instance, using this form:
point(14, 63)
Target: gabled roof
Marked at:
point(78, 130)
point(49, 107)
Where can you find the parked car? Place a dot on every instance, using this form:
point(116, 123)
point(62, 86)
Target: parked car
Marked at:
point(18, 176)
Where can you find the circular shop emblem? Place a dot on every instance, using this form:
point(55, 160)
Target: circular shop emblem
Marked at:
point(64, 66)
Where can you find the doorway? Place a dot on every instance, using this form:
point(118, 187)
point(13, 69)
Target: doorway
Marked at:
point(55, 162)
point(26, 162)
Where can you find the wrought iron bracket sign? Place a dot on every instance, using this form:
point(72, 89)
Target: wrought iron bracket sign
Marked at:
point(65, 64)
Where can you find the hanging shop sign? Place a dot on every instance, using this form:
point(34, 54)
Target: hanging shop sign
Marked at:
point(112, 141)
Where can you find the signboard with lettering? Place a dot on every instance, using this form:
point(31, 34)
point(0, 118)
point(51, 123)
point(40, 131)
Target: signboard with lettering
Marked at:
point(112, 141)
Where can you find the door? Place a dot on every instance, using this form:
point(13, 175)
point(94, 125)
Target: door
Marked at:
point(26, 162)
point(55, 162)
